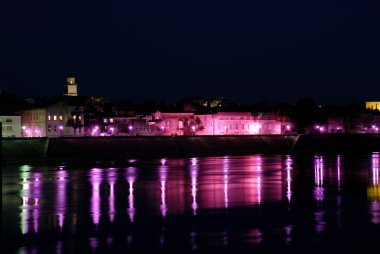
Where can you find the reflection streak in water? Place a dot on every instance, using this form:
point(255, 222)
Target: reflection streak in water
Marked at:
point(163, 172)
point(96, 180)
point(131, 178)
point(194, 175)
point(288, 163)
point(61, 196)
point(112, 177)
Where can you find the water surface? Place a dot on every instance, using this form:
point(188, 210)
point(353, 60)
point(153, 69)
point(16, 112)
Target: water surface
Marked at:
point(257, 203)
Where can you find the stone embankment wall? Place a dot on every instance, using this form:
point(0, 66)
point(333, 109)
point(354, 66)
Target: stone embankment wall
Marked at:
point(119, 148)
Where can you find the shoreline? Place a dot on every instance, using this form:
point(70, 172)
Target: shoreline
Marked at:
point(45, 150)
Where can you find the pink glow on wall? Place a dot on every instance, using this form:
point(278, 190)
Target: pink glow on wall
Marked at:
point(163, 178)
point(131, 178)
point(254, 128)
point(96, 179)
point(60, 206)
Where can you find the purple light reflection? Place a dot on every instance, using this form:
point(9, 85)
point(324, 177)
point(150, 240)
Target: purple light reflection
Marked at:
point(338, 169)
point(95, 180)
point(225, 180)
point(112, 177)
point(288, 163)
point(318, 178)
point(163, 171)
point(194, 175)
point(131, 178)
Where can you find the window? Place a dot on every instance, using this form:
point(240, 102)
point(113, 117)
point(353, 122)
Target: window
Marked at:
point(111, 120)
point(54, 117)
point(49, 117)
point(55, 127)
point(60, 117)
point(49, 128)
point(74, 117)
point(105, 120)
point(79, 117)
point(9, 128)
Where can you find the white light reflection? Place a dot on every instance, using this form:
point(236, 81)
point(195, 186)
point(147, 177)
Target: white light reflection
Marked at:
point(61, 197)
point(131, 178)
point(194, 175)
point(225, 180)
point(163, 172)
point(95, 180)
point(24, 193)
point(111, 176)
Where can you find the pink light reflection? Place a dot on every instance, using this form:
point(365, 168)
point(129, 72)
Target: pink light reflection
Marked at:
point(131, 178)
point(163, 171)
point(318, 178)
point(288, 163)
point(112, 177)
point(194, 175)
point(95, 181)
point(225, 180)
point(338, 169)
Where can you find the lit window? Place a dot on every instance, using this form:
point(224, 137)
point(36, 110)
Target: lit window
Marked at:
point(111, 120)
point(105, 120)
point(54, 117)
point(49, 118)
point(74, 117)
point(79, 117)
point(60, 117)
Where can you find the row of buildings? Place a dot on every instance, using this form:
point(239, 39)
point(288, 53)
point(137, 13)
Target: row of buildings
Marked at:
point(74, 115)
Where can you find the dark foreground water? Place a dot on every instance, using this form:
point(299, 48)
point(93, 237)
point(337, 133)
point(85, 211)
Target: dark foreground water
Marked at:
point(257, 204)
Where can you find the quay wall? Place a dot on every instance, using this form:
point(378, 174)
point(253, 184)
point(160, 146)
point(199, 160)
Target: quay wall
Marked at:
point(119, 148)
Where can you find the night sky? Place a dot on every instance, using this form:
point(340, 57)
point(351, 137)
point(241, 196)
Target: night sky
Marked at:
point(245, 51)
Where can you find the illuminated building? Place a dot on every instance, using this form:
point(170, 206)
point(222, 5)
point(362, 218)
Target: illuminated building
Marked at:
point(11, 125)
point(34, 122)
point(71, 87)
point(373, 105)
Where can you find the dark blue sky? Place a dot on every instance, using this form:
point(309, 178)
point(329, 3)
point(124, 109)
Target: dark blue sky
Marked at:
point(274, 49)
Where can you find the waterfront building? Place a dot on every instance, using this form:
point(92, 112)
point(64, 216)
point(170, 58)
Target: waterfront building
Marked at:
point(373, 105)
point(34, 122)
point(10, 125)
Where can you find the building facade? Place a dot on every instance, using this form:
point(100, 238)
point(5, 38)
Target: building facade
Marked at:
point(10, 126)
point(34, 122)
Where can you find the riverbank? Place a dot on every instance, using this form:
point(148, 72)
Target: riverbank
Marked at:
point(121, 148)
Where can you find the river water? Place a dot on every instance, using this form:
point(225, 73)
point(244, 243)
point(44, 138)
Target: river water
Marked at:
point(312, 203)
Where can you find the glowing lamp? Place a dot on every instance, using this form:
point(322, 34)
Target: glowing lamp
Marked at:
point(23, 127)
point(288, 127)
point(61, 127)
point(162, 127)
point(193, 128)
point(130, 127)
